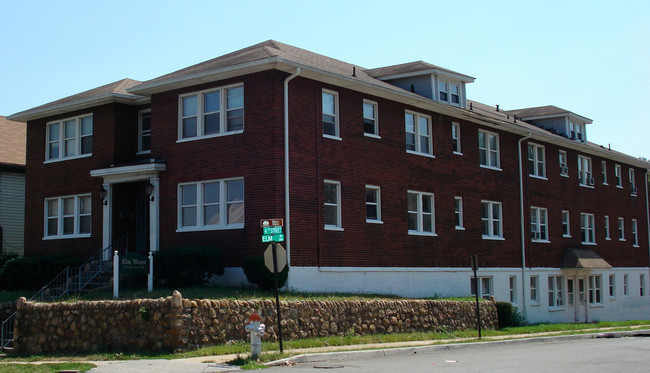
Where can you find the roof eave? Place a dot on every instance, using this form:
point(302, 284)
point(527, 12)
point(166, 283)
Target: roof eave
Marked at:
point(461, 77)
point(558, 115)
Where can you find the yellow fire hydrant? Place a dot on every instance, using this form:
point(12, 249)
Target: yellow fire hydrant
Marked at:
point(256, 330)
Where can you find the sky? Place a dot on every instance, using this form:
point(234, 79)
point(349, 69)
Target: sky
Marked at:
point(588, 57)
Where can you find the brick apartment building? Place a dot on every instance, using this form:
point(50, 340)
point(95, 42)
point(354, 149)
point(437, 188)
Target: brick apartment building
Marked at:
point(388, 180)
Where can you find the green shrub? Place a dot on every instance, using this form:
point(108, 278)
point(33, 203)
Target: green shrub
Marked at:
point(27, 273)
point(257, 273)
point(187, 266)
point(508, 315)
point(4, 258)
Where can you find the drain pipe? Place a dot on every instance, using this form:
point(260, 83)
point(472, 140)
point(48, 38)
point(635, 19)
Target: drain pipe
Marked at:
point(287, 221)
point(523, 232)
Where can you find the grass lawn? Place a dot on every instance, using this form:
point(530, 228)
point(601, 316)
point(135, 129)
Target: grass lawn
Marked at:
point(44, 368)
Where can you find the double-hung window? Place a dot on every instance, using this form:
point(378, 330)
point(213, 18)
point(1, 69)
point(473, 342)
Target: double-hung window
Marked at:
point(418, 133)
point(536, 161)
point(612, 286)
point(633, 189)
point(332, 205)
point(576, 130)
point(642, 285)
point(555, 291)
point(595, 289)
point(564, 163)
point(421, 216)
point(585, 175)
point(458, 213)
point(330, 105)
point(587, 228)
point(603, 166)
point(484, 287)
point(635, 233)
point(621, 229)
point(443, 91)
point(211, 113)
point(488, 149)
point(454, 94)
point(607, 236)
point(538, 224)
point(491, 220)
point(618, 173)
point(68, 217)
point(626, 285)
point(566, 225)
point(455, 138)
point(69, 138)
point(373, 204)
point(534, 287)
point(144, 132)
point(512, 282)
point(211, 205)
point(449, 92)
point(370, 122)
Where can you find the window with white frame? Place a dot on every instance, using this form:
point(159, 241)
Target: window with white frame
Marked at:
point(488, 149)
point(332, 204)
point(68, 217)
point(512, 282)
point(455, 138)
point(458, 212)
point(635, 233)
point(633, 190)
point(607, 235)
point(421, 213)
point(626, 285)
point(587, 228)
point(612, 286)
point(577, 131)
point(564, 163)
point(455, 94)
point(491, 220)
point(370, 121)
point(538, 224)
point(211, 205)
point(144, 132)
point(566, 224)
point(449, 92)
point(555, 291)
point(642, 285)
point(534, 290)
point(603, 168)
point(536, 161)
point(69, 138)
point(621, 229)
point(484, 287)
point(570, 291)
point(212, 112)
point(585, 176)
point(373, 204)
point(595, 289)
point(418, 133)
point(618, 173)
point(443, 91)
point(330, 106)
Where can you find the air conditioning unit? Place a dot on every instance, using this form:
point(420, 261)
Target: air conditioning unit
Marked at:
point(634, 190)
point(590, 181)
point(564, 170)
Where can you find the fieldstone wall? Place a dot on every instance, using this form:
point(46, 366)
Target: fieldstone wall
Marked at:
point(174, 323)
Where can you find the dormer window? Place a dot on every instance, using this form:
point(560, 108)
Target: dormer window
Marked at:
point(576, 131)
point(449, 92)
point(443, 89)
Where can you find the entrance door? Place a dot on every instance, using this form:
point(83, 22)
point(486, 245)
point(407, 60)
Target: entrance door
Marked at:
point(581, 303)
point(142, 223)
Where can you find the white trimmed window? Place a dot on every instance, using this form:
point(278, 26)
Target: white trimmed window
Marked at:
point(458, 213)
point(618, 173)
point(626, 285)
point(635, 233)
point(612, 286)
point(449, 92)
point(555, 291)
point(536, 161)
point(607, 236)
point(68, 217)
point(587, 228)
point(595, 289)
point(491, 220)
point(539, 224)
point(421, 213)
point(642, 285)
point(570, 291)
point(534, 290)
point(512, 281)
point(370, 121)
point(211, 205)
point(373, 204)
point(633, 190)
point(577, 131)
point(621, 229)
point(484, 287)
point(585, 175)
point(332, 204)
point(566, 224)
point(564, 163)
point(603, 167)
point(69, 138)
point(330, 105)
point(455, 138)
point(418, 133)
point(144, 132)
point(211, 113)
point(488, 149)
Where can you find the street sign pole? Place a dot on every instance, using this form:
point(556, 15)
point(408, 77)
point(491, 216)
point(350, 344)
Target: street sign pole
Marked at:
point(277, 295)
point(478, 312)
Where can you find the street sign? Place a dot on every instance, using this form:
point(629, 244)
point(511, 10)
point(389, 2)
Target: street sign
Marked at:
point(281, 255)
point(273, 238)
point(272, 230)
point(271, 223)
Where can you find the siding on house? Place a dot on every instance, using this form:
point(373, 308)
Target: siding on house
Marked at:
point(12, 212)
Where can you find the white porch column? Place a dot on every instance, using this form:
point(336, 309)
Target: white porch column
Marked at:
point(107, 222)
point(154, 219)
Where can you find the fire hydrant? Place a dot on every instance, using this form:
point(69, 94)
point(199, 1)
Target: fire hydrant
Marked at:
point(256, 330)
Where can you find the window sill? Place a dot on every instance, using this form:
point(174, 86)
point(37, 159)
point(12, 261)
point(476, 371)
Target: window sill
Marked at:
point(222, 134)
point(565, 175)
point(332, 137)
point(589, 243)
point(541, 241)
point(491, 167)
point(416, 233)
point(67, 158)
point(586, 186)
point(605, 184)
point(495, 238)
point(458, 153)
point(333, 228)
point(459, 228)
point(65, 237)
point(608, 239)
point(371, 135)
point(534, 304)
point(556, 309)
point(210, 228)
point(621, 239)
point(619, 186)
point(421, 154)
point(636, 246)
point(566, 235)
point(633, 195)
point(538, 177)
point(595, 305)
point(143, 152)
point(374, 221)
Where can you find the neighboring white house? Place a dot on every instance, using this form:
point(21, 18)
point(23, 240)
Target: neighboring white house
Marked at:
point(12, 186)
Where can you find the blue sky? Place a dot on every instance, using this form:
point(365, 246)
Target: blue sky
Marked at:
point(589, 57)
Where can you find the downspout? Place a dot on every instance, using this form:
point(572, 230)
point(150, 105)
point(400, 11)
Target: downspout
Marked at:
point(287, 221)
point(523, 232)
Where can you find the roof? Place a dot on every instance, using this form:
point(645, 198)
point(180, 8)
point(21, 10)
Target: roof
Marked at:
point(583, 259)
point(12, 142)
point(413, 68)
point(548, 111)
point(116, 91)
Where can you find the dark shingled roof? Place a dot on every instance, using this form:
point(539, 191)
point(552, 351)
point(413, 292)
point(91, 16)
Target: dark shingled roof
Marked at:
point(12, 142)
point(583, 258)
point(408, 68)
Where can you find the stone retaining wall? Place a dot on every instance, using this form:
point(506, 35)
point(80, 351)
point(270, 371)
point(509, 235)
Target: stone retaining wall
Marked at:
point(174, 323)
